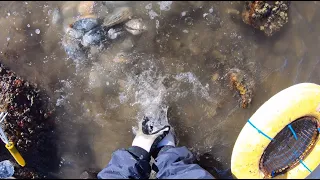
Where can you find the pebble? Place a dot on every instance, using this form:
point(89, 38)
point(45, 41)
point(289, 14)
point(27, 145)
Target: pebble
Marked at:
point(86, 7)
point(215, 76)
point(37, 31)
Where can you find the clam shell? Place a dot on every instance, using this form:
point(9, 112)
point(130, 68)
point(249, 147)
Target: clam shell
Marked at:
point(135, 26)
point(118, 16)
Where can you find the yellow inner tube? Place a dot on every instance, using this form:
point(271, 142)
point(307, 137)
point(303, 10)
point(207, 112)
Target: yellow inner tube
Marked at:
point(280, 110)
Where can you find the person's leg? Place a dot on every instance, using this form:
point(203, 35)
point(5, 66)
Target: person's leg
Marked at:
point(132, 163)
point(177, 163)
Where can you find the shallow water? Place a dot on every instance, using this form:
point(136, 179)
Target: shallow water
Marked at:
point(173, 64)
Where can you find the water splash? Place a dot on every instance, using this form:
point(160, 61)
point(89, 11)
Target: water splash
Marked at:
point(149, 94)
point(197, 87)
point(147, 90)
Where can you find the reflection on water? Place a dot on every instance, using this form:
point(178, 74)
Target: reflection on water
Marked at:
point(182, 61)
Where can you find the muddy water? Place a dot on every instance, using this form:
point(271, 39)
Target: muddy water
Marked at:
point(181, 61)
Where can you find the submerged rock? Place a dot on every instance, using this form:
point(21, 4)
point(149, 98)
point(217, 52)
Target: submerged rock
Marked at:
point(267, 16)
point(6, 169)
point(243, 84)
point(86, 7)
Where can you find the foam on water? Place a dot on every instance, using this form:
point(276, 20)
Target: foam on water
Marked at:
point(147, 90)
point(197, 87)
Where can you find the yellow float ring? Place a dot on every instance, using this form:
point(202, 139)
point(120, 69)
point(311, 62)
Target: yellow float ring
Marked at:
point(280, 110)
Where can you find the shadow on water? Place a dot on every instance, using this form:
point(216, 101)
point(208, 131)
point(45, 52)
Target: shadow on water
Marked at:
point(207, 160)
point(75, 147)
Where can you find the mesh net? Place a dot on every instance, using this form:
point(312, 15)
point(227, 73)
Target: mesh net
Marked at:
point(286, 149)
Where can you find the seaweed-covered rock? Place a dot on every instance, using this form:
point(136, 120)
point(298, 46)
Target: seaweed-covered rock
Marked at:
point(243, 84)
point(268, 16)
point(28, 123)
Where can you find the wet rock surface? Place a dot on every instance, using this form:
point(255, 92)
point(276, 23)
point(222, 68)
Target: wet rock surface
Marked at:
point(268, 16)
point(28, 124)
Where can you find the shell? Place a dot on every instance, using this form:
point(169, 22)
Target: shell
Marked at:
point(118, 16)
point(113, 33)
point(94, 37)
point(85, 24)
point(135, 26)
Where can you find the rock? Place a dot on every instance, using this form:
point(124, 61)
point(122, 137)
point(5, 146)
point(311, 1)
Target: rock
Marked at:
point(69, 9)
point(215, 77)
point(269, 18)
point(28, 123)
point(6, 169)
point(243, 84)
point(86, 7)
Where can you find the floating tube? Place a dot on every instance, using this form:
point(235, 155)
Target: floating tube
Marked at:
point(301, 100)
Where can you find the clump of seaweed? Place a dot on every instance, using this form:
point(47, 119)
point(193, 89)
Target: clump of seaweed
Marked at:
point(244, 86)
